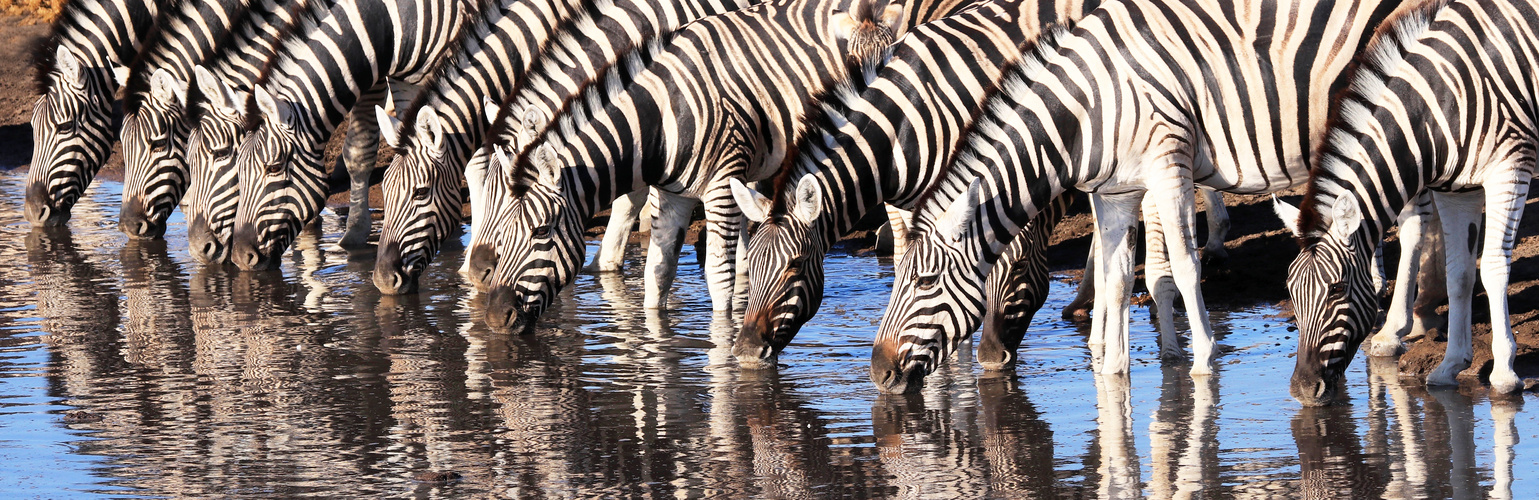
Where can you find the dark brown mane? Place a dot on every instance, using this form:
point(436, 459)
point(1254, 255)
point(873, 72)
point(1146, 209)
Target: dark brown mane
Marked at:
point(1032, 50)
point(153, 42)
point(592, 91)
point(1386, 37)
point(447, 64)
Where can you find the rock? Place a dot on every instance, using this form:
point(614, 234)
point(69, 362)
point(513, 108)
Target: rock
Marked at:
point(436, 476)
point(1530, 384)
point(82, 417)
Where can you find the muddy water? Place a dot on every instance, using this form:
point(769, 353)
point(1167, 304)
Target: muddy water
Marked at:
point(213, 383)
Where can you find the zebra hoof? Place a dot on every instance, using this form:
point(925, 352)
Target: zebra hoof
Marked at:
point(1385, 348)
point(1505, 383)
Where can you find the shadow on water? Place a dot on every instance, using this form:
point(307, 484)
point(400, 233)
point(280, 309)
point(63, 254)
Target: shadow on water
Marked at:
point(209, 382)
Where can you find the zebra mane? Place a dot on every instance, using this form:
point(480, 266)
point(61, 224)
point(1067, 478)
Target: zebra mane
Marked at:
point(1015, 77)
point(248, 20)
point(1368, 76)
point(43, 49)
point(829, 112)
point(590, 99)
point(155, 41)
point(480, 29)
point(296, 35)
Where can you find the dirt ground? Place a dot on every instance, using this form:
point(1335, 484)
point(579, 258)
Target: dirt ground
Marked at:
point(1259, 248)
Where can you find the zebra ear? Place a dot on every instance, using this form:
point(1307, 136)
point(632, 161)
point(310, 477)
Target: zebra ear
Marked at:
point(500, 160)
point(211, 88)
point(958, 218)
point(533, 120)
point(68, 66)
point(809, 199)
point(429, 126)
point(1345, 217)
point(843, 25)
point(754, 205)
point(492, 108)
point(1288, 213)
point(167, 88)
point(389, 127)
point(892, 16)
point(270, 107)
point(545, 161)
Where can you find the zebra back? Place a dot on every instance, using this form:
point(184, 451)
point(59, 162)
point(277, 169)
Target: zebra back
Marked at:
point(72, 129)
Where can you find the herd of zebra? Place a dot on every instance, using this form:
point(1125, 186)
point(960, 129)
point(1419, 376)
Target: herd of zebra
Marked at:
point(972, 121)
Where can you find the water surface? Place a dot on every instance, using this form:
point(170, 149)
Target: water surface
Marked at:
point(216, 383)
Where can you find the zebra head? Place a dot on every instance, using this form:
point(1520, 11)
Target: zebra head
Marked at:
point(785, 270)
point(280, 185)
point(71, 138)
point(540, 241)
point(156, 176)
point(423, 203)
point(511, 124)
point(1334, 299)
point(937, 297)
point(216, 115)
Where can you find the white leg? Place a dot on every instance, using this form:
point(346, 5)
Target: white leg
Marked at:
point(1504, 205)
point(1218, 224)
point(1176, 208)
point(669, 222)
point(1117, 222)
point(475, 180)
point(1502, 413)
point(1461, 214)
point(622, 216)
point(1397, 319)
point(1158, 280)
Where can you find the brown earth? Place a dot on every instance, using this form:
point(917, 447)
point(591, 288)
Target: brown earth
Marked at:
point(1259, 248)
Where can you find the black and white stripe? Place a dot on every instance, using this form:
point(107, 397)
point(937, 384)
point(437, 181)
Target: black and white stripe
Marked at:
point(722, 102)
point(319, 72)
point(1444, 103)
point(1142, 95)
point(875, 142)
point(72, 130)
point(214, 111)
point(153, 131)
point(423, 202)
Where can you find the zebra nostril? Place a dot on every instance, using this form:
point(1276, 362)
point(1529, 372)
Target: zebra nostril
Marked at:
point(144, 228)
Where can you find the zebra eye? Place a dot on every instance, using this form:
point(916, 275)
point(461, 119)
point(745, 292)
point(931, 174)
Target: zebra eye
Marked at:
point(420, 193)
point(928, 282)
point(161, 144)
point(794, 266)
point(542, 232)
point(224, 152)
point(275, 168)
point(1337, 290)
point(67, 127)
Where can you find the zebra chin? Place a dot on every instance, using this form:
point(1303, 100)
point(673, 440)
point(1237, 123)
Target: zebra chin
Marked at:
point(760, 341)
point(504, 314)
point(39, 207)
point(894, 372)
point(138, 223)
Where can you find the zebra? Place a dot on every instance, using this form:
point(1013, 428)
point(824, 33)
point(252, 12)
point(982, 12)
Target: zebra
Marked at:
point(1439, 106)
point(421, 188)
point(879, 141)
point(525, 113)
point(630, 136)
point(1108, 108)
point(318, 73)
point(213, 109)
point(153, 132)
point(79, 64)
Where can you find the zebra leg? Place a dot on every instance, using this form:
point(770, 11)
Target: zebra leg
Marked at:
point(1397, 318)
point(723, 226)
point(1079, 308)
point(1218, 225)
point(358, 154)
point(670, 220)
point(1161, 285)
point(1460, 213)
point(1504, 203)
point(899, 220)
point(622, 216)
point(1117, 222)
point(1176, 210)
point(475, 181)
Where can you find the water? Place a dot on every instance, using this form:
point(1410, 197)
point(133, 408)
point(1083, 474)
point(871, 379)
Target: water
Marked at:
point(215, 383)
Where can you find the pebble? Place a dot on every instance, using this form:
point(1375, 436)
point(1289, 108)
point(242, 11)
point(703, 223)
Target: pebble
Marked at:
point(82, 417)
point(1530, 384)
